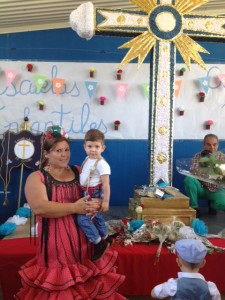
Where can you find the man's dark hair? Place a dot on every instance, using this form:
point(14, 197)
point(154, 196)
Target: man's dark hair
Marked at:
point(210, 135)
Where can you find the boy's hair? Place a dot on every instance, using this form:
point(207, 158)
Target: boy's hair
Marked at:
point(192, 266)
point(94, 135)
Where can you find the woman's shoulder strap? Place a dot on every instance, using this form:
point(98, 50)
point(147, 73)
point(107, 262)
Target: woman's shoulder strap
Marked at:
point(76, 169)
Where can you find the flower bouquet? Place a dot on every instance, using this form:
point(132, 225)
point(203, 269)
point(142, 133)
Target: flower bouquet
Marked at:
point(41, 105)
point(182, 71)
point(128, 231)
point(29, 67)
point(181, 110)
point(102, 100)
point(118, 74)
point(116, 124)
point(201, 96)
point(210, 168)
point(91, 72)
point(208, 123)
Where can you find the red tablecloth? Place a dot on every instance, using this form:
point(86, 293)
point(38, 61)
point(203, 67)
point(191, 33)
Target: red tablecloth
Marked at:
point(137, 262)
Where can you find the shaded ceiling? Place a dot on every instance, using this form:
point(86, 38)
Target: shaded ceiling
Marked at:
point(30, 15)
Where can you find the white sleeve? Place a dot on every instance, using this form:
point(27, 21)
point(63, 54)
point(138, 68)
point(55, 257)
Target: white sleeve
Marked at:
point(214, 292)
point(166, 289)
point(103, 167)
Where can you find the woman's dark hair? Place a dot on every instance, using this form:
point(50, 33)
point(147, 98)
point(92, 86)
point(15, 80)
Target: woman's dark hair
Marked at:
point(48, 145)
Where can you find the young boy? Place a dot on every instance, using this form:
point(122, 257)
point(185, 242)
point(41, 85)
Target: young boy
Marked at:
point(190, 284)
point(94, 179)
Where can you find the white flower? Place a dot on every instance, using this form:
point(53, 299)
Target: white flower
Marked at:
point(90, 87)
point(187, 232)
point(222, 168)
point(128, 242)
point(139, 209)
point(181, 108)
point(10, 75)
point(58, 85)
point(40, 81)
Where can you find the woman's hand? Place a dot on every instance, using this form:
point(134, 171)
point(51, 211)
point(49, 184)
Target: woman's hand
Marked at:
point(87, 206)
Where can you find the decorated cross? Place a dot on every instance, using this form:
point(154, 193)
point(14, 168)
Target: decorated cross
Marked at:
point(162, 26)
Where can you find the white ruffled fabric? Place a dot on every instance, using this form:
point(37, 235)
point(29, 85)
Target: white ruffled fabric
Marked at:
point(17, 220)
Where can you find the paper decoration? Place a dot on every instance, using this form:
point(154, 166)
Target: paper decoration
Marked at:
point(90, 87)
point(145, 87)
point(177, 86)
point(39, 81)
point(9, 76)
point(57, 85)
point(121, 89)
point(222, 79)
point(204, 84)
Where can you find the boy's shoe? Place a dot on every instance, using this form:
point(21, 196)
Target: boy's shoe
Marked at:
point(99, 250)
point(109, 240)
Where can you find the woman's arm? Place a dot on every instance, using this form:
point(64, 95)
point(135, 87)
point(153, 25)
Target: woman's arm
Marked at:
point(36, 196)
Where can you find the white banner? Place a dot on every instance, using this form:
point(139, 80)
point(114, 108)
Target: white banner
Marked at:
point(73, 108)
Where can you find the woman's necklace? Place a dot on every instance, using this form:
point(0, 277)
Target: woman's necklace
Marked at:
point(62, 176)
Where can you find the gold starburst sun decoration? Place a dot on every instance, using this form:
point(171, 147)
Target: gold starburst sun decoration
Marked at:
point(159, 27)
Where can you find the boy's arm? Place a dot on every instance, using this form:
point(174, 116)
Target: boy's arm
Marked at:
point(106, 190)
point(153, 295)
point(164, 290)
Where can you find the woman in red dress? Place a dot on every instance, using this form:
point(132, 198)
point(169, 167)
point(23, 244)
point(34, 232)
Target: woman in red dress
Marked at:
point(62, 269)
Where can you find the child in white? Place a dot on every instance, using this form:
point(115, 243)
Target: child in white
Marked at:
point(94, 179)
point(190, 284)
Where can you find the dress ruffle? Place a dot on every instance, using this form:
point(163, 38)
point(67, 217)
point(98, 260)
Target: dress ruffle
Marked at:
point(97, 280)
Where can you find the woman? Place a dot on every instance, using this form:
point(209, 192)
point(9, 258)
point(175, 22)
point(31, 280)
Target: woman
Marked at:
point(62, 269)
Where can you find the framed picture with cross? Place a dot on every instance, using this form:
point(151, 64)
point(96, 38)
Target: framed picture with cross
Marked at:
point(19, 149)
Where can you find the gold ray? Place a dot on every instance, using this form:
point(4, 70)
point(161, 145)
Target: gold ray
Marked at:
point(139, 47)
point(184, 6)
point(145, 5)
point(189, 49)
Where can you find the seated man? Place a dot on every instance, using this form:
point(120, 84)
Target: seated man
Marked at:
point(195, 188)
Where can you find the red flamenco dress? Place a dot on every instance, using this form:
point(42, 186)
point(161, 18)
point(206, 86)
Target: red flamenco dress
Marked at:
point(62, 269)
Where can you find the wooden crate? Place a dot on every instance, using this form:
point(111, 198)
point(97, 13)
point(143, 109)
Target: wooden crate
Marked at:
point(168, 215)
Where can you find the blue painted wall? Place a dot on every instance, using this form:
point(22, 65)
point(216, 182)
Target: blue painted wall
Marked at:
point(129, 159)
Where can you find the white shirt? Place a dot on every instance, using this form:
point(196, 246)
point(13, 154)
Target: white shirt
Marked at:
point(169, 288)
point(102, 168)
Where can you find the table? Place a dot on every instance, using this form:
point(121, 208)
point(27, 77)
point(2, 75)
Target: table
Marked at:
point(137, 262)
